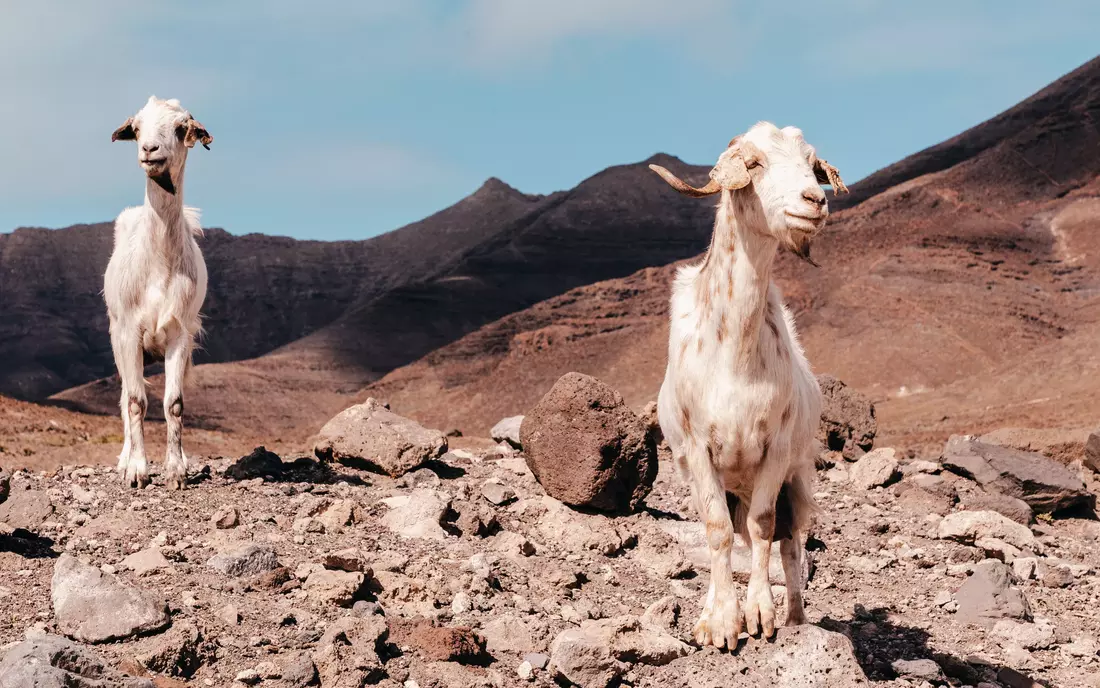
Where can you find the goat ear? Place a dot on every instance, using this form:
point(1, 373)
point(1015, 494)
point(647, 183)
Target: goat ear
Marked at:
point(730, 172)
point(125, 132)
point(827, 174)
point(197, 133)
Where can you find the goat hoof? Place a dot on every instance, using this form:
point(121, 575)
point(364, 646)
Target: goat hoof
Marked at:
point(760, 613)
point(719, 625)
point(796, 617)
point(174, 483)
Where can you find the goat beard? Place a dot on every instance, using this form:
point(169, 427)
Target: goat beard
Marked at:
point(164, 181)
point(799, 244)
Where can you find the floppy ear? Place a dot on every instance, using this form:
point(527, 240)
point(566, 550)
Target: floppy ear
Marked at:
point(827, 174)
point(125, 132)
point(730, 171)
point(196, 133)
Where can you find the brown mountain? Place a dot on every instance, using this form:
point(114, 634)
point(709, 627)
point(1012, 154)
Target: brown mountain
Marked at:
point(960, 287)
point(610, 225)
point(264, 291)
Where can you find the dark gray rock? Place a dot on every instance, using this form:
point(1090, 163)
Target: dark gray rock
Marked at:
point(50, 661)
point(5, 484)
point(1010, 507)
point(260, 463)
point(1046, 485)
point(94, 607)
point(989, 595)
point(371, 433)
point(848, 422)
point(249, 560)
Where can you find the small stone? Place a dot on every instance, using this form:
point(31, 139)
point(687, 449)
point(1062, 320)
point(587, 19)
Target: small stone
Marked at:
point(229, 615)
point(537, 660)
point(988, 595)
point(1024, 567)
point(351, 560)
point(1009, 507)
point(248, 677)
point(507, 430)
point(943, 597)
point(925, 669)
point(1054, 576)
point(876, 468)
point(1029, 636)
point(525, 671)
point(248, 560)
point(969, 526)
point(340, 588)
point(496, 493)
point(146, 561)
point(921, 466)
point(417, 514)
point(226, 517)
point(461, 604)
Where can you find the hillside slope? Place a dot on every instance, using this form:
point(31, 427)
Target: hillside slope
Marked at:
point(264, 291)
point(963, 298)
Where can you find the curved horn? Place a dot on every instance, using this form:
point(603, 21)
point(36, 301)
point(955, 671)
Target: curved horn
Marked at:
point(683, 187)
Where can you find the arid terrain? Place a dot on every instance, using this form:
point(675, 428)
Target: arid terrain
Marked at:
point(959, 290)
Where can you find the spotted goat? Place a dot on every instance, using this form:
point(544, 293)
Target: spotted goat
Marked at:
point(739, 405)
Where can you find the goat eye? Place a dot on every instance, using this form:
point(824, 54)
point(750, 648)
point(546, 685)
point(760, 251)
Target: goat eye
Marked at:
point(752, 164)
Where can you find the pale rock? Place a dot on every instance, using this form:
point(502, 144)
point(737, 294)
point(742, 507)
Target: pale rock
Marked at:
point(146, 561)
point(876, 468)
point(970, 526)
point(417, 514)
point(92, 607)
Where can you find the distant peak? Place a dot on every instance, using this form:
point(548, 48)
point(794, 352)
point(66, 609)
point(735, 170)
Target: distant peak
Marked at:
point(495, 187)
point(662, 159)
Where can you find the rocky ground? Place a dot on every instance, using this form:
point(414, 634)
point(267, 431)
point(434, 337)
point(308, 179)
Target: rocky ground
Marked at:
point(462, 571)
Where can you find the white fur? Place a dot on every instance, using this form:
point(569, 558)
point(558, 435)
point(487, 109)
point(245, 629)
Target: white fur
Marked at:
point(154, 287)
point(739, 405)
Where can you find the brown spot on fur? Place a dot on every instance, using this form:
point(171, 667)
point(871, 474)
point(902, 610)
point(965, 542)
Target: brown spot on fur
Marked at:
point(699, 346)
point(786, 415)
point(719, 534)
point(721, 333)
point(770, 322)
point(685, 419)
point(764, 449)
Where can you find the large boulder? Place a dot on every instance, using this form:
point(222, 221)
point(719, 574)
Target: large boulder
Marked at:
point(27, 509)
point(848, 422)
point(93, 607)
point(371, 433)
point(1046, 485)
point(587, 448)
point(799, 657)
point(989, 595)
point(50, 661)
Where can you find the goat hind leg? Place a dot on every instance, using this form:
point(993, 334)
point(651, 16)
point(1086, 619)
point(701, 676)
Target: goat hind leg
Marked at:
point(176, 358)
point(720, 622)
point(791, 550)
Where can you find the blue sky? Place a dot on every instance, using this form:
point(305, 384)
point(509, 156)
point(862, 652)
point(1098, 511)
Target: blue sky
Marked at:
point(343, 119)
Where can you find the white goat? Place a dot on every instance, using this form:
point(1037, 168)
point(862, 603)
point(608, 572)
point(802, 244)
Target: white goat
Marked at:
point(739, 405)
point(156, 282)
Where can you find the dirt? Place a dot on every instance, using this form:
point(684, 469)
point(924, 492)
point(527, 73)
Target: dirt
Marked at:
point(880, 575)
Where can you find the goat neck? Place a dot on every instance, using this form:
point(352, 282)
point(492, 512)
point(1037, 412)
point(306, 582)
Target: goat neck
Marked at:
point(733, 284)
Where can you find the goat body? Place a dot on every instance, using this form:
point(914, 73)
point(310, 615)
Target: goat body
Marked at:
point(739, 405)
point(155, 285)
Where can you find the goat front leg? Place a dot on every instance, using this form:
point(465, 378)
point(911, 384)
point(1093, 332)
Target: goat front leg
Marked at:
point(720, 622)
point(177, 357)
point(759, 606)
point(133, 467)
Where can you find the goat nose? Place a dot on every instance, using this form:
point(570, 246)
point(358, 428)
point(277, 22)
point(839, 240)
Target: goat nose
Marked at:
point(814, 195)
point(150, 147)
